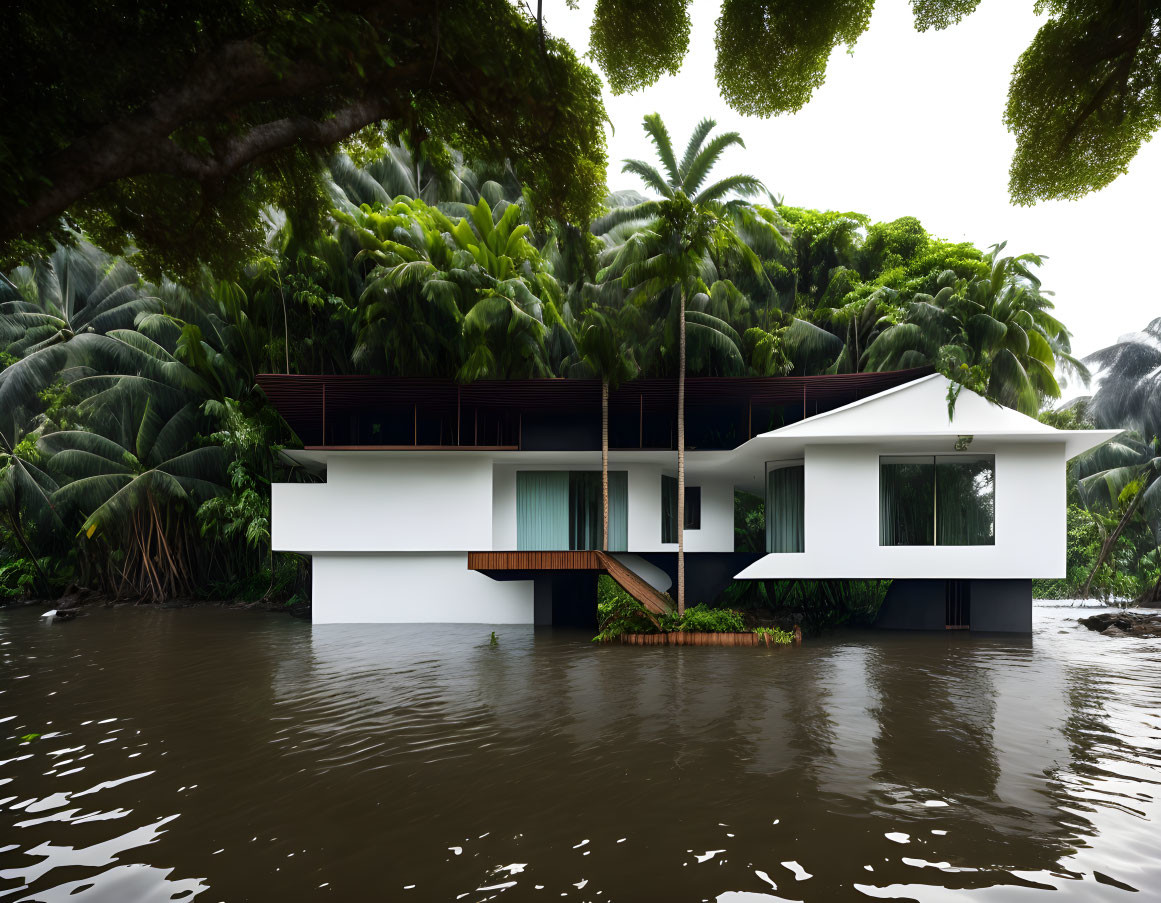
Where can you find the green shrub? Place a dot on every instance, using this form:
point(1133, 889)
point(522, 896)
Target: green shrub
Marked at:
point(618, 612)
point(18, 577)
point(775, 636)
point(705, 619)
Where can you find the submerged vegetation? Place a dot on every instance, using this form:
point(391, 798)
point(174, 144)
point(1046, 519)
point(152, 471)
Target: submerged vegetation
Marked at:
point(619, 613)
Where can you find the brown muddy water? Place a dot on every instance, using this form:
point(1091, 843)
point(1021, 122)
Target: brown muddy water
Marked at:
point(223, 755)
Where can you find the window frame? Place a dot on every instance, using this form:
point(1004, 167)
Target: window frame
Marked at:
point(692, 510)
point(690, 492)
point(935, 458)
point(769, 468)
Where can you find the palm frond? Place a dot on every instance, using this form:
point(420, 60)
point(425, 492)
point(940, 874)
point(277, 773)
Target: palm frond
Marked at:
point(659, 135)
point(649, 175)
point(699, 168)
point(692, 149)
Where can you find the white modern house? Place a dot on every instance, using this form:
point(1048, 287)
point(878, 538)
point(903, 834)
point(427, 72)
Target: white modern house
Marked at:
point(482, 503)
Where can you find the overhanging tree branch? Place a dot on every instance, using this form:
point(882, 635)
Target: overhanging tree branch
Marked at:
point(143, 143)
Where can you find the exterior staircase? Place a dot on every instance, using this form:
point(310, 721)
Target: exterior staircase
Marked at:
point(636, 586)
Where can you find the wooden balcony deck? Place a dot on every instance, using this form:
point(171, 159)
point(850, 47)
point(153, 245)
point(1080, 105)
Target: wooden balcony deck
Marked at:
point(588, 560)
point(533, 561)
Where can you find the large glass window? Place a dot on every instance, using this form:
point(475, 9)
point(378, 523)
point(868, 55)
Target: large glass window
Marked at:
point(558, 510)
point(669, 508)
point(965, 500)
point(785, 508)
point(945, 500)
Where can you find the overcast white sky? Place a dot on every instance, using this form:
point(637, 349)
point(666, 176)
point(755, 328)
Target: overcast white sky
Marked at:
point(912, 124)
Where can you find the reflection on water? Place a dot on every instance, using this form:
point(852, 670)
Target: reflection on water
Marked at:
point(232, 755)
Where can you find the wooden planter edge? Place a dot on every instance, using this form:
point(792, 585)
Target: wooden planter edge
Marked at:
point(702, 638)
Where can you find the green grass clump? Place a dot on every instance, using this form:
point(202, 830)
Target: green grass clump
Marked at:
point(775, 636)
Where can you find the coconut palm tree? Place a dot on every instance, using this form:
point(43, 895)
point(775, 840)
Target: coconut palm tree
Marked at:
point(1127, 468)
point(137, 485)
point(1129, 388)
point(674, 250)
point(1121, 476)
point(56, 313)
point(432, 173)
point(602, 354)
point(488, 297)
point(998, 325)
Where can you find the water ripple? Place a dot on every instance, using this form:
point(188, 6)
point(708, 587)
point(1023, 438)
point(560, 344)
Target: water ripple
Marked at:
point(154, 755)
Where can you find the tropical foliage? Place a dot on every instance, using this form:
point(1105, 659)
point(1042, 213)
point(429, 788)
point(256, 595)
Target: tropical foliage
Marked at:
point(175, 133)
point(136, 452)
point(1114, 516)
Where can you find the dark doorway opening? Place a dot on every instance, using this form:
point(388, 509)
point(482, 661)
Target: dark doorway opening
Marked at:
point(566, 599)
point(958, 605)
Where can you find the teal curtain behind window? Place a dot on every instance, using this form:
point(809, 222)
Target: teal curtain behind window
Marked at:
point(786, 509)
point(542, 520)
point(558, 510)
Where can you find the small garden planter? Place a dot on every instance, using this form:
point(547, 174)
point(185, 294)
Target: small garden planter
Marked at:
point(702, 638)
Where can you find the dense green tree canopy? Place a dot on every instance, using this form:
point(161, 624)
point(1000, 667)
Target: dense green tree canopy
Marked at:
point(171, 127)
point(1083, 99)
point(1085, 96)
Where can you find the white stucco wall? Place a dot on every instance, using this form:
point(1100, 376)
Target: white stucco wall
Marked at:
point(387, 502)
point(842, 521)
point(413, 588)
point(716, 533)
point(644, 509)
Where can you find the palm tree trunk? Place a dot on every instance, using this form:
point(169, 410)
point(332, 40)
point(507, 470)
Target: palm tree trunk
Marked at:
point(681, 460)
point(605, 462)
point(1111, 541)
point(285, 325)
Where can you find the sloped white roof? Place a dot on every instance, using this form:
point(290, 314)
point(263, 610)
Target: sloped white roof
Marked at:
point(919, 409)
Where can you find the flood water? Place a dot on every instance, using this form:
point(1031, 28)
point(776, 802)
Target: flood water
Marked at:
point(228, 755)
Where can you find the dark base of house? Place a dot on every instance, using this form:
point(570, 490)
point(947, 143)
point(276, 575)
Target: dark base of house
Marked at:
point(996, 606)
point(564, 584)
point(567, 598)
point(707, 574)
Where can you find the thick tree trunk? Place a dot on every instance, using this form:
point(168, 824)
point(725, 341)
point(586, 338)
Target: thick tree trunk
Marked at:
point(605, 462)
point(681, 461)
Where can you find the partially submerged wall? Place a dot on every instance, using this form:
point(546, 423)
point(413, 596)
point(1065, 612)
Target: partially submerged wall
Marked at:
point(999, 606)
point(415, 588)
